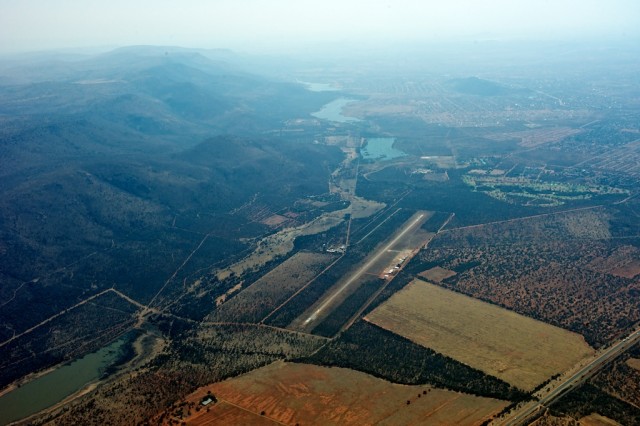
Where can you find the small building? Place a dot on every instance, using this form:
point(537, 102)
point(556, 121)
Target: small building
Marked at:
point(206, 400)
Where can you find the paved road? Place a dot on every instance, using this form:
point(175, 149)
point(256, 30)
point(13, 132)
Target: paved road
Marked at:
point(411, 226)
point(520, 416)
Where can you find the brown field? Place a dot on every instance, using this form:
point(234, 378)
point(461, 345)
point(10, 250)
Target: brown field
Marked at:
point(312, 395)
point(224, 413)
point(623, 262)
point(436, 177)
point(550, 420)
point(517, 349)
point(281, 243)
point(634, 363)
point(443, 162)
point(267, 293)
point(437, 274)
point(597, 420)
point(275, 220)
point(536, 137)
point(550, 267)
point(362, 208)
point(590, 420)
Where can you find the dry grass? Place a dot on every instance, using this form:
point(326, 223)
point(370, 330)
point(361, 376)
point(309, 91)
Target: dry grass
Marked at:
point(313, 395)
point(281, 243)
point(224, 413)
point(437, 274)
point(589, 224)
point(443, 162)
point(597, 420)
point(362, 208)
point(537, 137)
point(634, 363)
point(267, 293)
point(550, 420)
point(623, 262)
point(517, 349)
point(275, 220)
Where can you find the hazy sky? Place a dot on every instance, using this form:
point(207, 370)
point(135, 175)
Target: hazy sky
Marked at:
point(250, 25)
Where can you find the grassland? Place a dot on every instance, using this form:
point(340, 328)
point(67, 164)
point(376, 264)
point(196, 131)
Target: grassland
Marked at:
point(224, 413)
point(437, 274)
point(264, 295)
point(519, 350)
point(280, 244)
point(596, 419)
point(306, 394)
point(554, 268)
point(622, 262)
point(634, 363)
point(533, 192)
point(535, 137)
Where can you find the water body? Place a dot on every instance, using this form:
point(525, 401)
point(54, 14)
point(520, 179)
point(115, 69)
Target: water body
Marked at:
point(380, 149)
point(62, 382)
point(333, 111)
point(319, 87)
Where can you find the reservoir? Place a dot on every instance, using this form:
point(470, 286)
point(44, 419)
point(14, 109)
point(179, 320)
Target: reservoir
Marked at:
point(333, 111)
point(319, 87)
point(381, 149)
point(53, 387)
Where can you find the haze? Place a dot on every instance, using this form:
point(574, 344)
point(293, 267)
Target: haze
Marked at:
point(252, 25)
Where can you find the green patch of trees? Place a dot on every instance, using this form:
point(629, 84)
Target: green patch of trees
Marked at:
point(373, 350)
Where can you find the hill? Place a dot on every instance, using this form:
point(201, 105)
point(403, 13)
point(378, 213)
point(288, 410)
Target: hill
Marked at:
point(117, 168)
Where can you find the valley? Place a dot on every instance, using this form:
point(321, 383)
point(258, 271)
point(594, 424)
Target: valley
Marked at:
point(264, 238)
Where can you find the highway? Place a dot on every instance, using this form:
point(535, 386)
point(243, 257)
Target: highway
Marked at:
point(520, 416)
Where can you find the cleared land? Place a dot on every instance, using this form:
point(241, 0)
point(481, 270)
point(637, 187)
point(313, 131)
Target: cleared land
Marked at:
point(437, 274)
point(224, 413)
point(313, 395)
point(519, 350)
point(264, 295)
point(281, 243)
point(546, 267)
point(623, 262)
point(409, 237)
point(597, 420)
point(536, 137)
point(634, 363)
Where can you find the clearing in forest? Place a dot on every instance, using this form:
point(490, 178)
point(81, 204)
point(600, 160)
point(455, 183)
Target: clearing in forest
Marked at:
point(437, 274)
point(517, 349)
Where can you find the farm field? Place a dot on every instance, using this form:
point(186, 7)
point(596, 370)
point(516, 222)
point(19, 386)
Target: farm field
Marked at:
point(224, 413)
point(597, 420)
point(634, 363)
point(305, 394)
point(519, 350)
point(564, 269)
point(264, 295)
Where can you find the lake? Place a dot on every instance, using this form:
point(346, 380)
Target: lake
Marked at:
point(319, 87)
point(53, 387)
point(333, 111)
point(381, 149)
